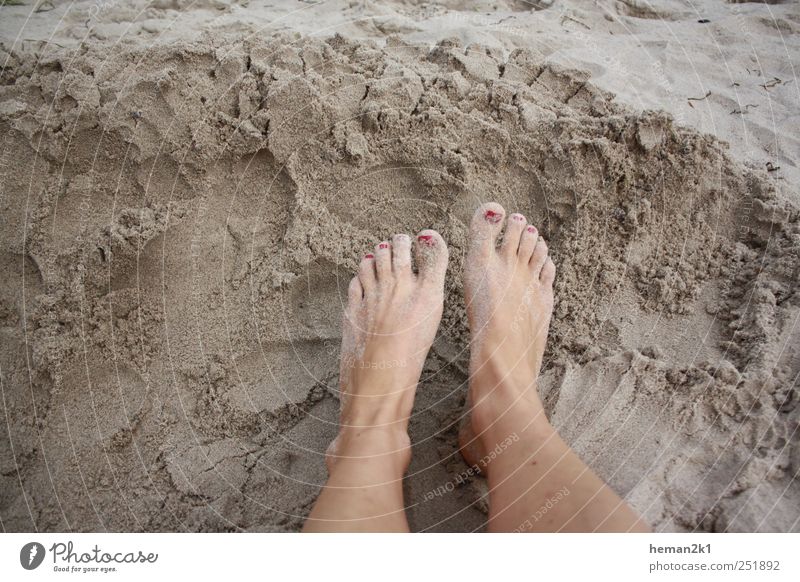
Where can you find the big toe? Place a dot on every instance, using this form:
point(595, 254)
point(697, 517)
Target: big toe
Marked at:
point(487, 222)
point(430, 253)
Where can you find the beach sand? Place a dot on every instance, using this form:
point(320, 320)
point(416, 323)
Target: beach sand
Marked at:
point(187, 188)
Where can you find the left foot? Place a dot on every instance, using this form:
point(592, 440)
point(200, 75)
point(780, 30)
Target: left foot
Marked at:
point(389, 325)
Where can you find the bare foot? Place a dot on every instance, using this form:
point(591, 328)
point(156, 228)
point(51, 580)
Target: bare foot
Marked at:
point(389, 325)
point(509, 294)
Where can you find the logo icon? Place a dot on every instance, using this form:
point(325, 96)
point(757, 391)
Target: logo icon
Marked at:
point(31, 555)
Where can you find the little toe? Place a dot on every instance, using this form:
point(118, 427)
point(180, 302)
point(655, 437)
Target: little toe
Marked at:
point(383, 260)
point(539, 257)
point(355, 299)
point(401, 254)
point(350, 323)
point(548, 274)
point(511, 239)
point(430, 254)
point(485, 228)
point(355, 294)
point(527, 243)
point(366, 273)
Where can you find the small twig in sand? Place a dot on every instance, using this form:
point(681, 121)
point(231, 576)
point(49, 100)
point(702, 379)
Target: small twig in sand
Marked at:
point(745, 109)
point(690, 99)
point(575, 20)
point(42, 42)
point(770, 84)
point(772, 167)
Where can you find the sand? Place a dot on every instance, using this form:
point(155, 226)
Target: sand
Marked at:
point(187, 188)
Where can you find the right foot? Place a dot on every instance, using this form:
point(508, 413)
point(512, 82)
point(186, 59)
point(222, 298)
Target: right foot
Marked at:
point(389, 325)
point(509, 295)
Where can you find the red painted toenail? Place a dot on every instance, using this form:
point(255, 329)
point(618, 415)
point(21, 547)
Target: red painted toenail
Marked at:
point(493, 216)
point(369, 256)
point(427, 239)
point(531, 229)
point(383, 246)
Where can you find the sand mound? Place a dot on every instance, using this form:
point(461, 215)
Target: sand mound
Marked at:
point(180, 224)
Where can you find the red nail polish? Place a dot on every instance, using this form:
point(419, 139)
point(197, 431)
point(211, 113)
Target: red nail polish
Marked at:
point(531, 229)
point(369, 256)
point(383, 246)
point(427, 239)
point(493, 216)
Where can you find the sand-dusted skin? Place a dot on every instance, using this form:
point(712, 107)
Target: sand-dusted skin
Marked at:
point(180, 222)
point(392, 314)
point(390, 321)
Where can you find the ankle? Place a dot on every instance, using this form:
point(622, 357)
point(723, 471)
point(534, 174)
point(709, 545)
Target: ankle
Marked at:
point(387, 446)
point(503, 407)
point(376, 399)
point(494, 367)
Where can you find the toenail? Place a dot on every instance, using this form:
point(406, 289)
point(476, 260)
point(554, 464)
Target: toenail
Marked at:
point(369, 256)
point(383, 246)
point(493, 216)
point(518, 217)
point(531, 229)
point(427, 239)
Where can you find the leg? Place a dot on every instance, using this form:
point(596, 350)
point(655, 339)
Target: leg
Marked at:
point(537, 483)
point(389, 325)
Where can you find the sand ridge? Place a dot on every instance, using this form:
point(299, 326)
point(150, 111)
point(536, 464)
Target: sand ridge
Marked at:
point(183, 220)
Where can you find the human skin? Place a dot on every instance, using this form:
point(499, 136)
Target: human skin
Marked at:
point(536, 482)
point(389, 325)
point(509, 294)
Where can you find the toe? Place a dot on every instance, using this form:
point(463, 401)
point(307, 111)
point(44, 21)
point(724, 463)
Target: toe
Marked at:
point(485, 228)
point(383, 260)
point(366, 273)
point(430, 254)
point(511, 239)
point(355, 298)
point(355, 293)
point(401, 254)
point(548, 274)
point(350, 327)
point(527, 243)
point(539, 257)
